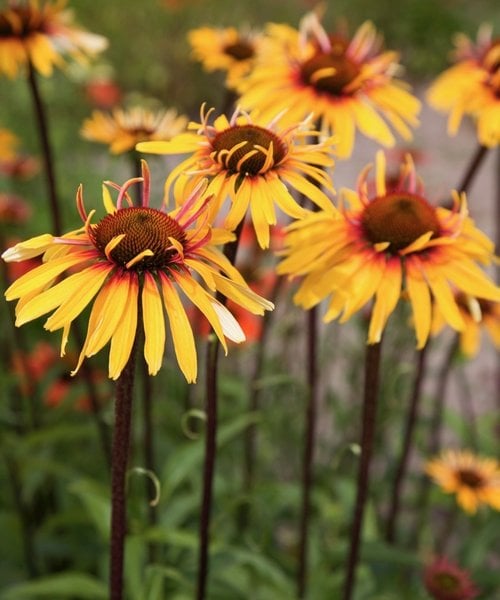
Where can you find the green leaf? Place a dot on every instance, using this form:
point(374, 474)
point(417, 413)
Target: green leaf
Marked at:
point(184, 461)
point(64, 585)
point(95, 499)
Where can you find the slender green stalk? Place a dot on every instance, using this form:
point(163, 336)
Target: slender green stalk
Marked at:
point(407, 440)
point(230, 250)
point(371, 387)
point(120, 452)
point(308, 456)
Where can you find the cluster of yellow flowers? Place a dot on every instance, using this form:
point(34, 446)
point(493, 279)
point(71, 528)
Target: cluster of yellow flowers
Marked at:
point(387, 241)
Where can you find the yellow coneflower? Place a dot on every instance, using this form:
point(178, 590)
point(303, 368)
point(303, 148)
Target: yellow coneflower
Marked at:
point(134, 254)
point(473, 479)
point(472, 87)
point(121, 129)
point(225, 49)
point(347, 83)
point(252, 162)
point(385, 243)
point(41, 33)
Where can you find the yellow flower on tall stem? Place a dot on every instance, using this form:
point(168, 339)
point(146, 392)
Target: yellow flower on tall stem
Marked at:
point(252, 162)
point(349, 84)
point(386, 243)
point(478, 314)
point(41, 32)
point(133, 255)
point(472, 87)
point(122, 128)
point(473, 479)
point(225, 49)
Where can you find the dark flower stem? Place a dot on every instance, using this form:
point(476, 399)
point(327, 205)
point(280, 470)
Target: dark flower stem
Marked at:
point(371, 386)
point(435, 431)
point(407, 437)
point(49, 169)
point(250, 436)
point(120, 452)
point(308, 456)
point(473, 167)
point(230, 250)
point(48, 162)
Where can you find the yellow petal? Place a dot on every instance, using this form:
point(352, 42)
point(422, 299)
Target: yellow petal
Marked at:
point(124, 335)
point(92, 280)
point(182, 334)
point(154, 324)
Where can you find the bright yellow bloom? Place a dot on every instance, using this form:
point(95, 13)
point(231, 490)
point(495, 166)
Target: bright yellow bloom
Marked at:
point(229, 49)
point(472, 87)
point(122, 129)
point(474, 480)
point(389, 241)
point(252, 163)
point(134, 254)
point(347, 83)
point(40, 33)
point(477, 314)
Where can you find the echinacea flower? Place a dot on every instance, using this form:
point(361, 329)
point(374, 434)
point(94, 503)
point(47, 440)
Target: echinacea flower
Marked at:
point(252, 162)
point(225, 49)
point(472, 87)
point(121, 129)
point(474, 480)
point(445, 580)
point(41, 32)
point(347, 83)
point(478, 314)
point(135, 254)
point(384, 244)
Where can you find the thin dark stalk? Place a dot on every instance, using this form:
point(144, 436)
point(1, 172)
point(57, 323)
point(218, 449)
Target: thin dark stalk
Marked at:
point(435, 433)
point(469, 415)
point(371, 386)
point(209, 465)
point(48, 162)
point(250, 436)
point(120, 452)
point(472, 169)
point(230, 250)
point(308, 456)
point(408, 433)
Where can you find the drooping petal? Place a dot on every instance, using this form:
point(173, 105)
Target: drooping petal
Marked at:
point(154, 324)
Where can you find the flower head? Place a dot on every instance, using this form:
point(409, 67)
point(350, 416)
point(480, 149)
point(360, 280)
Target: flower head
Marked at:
point(472, 87)
point(384, 244)
point(225, 49)
point(477, 314)
point(134, 254)
point(347, 83)
point(41, 32)
point(473, 479)
point(122, 129)
point(445, 580)
point(251, 162)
